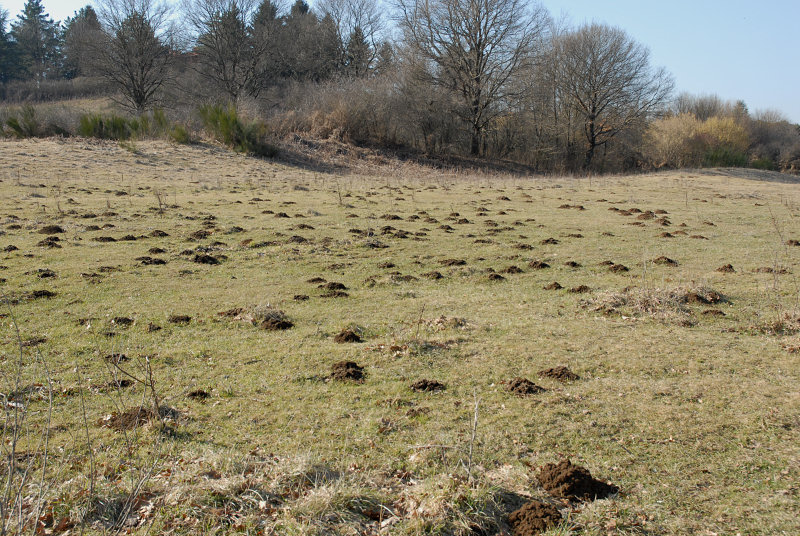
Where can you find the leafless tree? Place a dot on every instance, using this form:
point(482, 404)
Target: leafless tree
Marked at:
point(472, 48)
point(607, 79)
point(233, 45)
point(135, 53)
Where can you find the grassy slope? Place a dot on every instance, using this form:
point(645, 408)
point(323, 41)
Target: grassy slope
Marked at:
point(698, 425)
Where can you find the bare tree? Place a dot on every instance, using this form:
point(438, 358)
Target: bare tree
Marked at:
point(472, 48)
point(135, 53)
point(607, 79)
point(232, 45)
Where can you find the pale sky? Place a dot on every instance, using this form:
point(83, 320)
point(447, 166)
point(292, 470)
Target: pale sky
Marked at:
point(737, 49)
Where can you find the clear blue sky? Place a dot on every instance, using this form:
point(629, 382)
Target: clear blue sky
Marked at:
point(738, 49)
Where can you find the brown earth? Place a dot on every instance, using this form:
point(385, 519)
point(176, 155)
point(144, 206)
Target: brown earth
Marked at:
point(523, 386)
point(562, 374)
point(533, 518)
point(573, 482)
point(727, 269)
point(347, 335)
point(347, 370)
point(427, 385)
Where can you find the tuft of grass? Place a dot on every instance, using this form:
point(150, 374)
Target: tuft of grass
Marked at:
point(224, 124)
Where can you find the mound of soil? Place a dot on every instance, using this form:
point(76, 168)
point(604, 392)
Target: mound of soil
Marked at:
point(51, 229)
point(122, 321)
point(538, 265)
point(513, 269)
point(158, 233)
point(300, 297)
point(10, 248)
point(496, 277)
point(151, 261)
point(707, 298)
point(453, 262)
point(36, 294)
point(572, 264)
point(199, 394)
point(793, 242)
point(548, 241)
point(573, 482)
point(666, 235)
point(276, 324)
point(152, 328)
point(386, 265)
point(104, 239)
point(334, 294)
point(156, 251)
point(199, 235)
point(726, 269)
point(666, 261)
point(347, 370)
point(713, 312)
point(555, 285)
point(432, 275)
point(562, 374)
point(698, 237)
point(533, 518)
point(770, 270)
point(427, 386)
point(179, 319)
point(618, 268)
point(523, 386)
point(315, 280)
point(205, 259)
point(45, 273)
point(580, 289)
point(136, 416)
point(347, 335)
point(333, 285)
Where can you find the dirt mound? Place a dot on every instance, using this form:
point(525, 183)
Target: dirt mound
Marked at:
point(300, 297)
point(713, 312)
point(386, 265)
point(665, 261)
point(434, 275)
point(580, 289)
point(617, 268)
point(427, 386)
point(205, 259)
point(573, 482)
point(704, 297)
point(726, 269)
point(179, 319)
point(137, 416)
point(533, 518)
point(333, 285)
point(538, 265)
point(270, 319)
point(231, 313)
point(51, 229)
point(150, 261)
point(555, 285)
point(666, 235)
point(334, 294)
point(199, 394)
point(496, 277)
point(572, 264)
point(158, 233)
point(36, 294)
point(523, 386)
point(347, 335)
point(453, 262)
point(562, 374)
point(513, 269)
point(548, 241)
point(123, 321)
point(347, 370)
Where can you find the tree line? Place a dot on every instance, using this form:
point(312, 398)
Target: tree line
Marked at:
point(480, 78)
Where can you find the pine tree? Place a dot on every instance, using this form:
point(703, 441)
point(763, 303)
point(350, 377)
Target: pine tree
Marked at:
point(8, 59)
point(358, 53)
point(82, 32)
point(37, 40)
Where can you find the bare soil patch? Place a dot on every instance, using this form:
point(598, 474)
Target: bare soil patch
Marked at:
point(523, 387)
point(573, 482)
point(533, 518)
point(347, 370)
point(560, 373)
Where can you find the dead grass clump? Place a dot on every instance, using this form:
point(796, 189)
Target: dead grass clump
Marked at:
point(669, 304)
point(787, 323)
point(269, 318)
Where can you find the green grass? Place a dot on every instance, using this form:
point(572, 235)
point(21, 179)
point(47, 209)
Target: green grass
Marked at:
point(695, 421)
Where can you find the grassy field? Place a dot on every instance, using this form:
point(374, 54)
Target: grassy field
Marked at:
point(688, 398)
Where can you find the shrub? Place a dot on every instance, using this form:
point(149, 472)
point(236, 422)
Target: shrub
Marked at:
point(228, 128)
point(112, 127)
point(26, 124)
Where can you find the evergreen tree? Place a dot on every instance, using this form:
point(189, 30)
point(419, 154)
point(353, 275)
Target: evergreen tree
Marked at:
point(8, 60)
point(37, 40)
point(358, 54)
point(82, 32)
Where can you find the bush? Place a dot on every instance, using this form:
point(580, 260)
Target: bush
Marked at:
point(26, 124)
point(763, 163)
point(228, 128)
point(115, 127)
point(111, 127)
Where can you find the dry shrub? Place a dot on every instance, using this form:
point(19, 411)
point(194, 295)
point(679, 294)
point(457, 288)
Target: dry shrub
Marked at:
point(666, 305)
